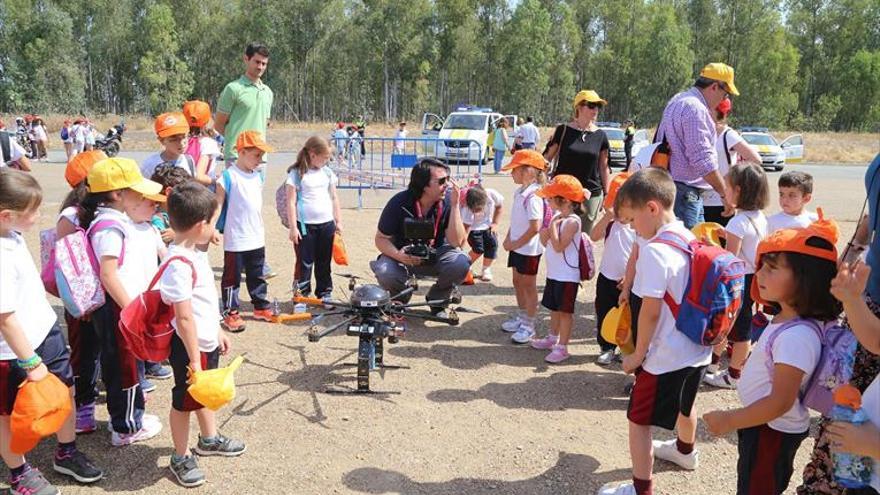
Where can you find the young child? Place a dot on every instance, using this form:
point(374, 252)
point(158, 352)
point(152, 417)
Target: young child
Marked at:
point(340, 141)
point(795, 191)
point(795, 270)
point(480, 215)
point(128, 255)
point(31, 342)
point(197, 342)
point(527, 169)
point(399, 139)
point(171, 131)
point(667, 364)
point(313, 205)
point(565, 194)
point(244, 238)
point(168, 178)
point(201, 146)
point(744, 231)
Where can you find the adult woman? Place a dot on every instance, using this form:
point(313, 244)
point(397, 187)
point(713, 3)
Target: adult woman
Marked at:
point(41, 138)
point(580, 148)
point(500, 143)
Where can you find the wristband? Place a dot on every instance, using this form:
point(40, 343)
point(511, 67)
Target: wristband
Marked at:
point(30, 363)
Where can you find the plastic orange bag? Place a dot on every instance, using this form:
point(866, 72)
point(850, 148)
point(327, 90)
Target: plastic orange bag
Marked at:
point(340, 257)
point(214, 388)
point(40, 410)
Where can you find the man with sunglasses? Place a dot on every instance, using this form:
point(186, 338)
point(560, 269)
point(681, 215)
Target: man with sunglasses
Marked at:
point(432, 197)
point(689, 130)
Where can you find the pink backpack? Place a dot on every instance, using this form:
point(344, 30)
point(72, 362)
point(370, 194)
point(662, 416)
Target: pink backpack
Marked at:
point(77, 270)
point(586, 262)
point(194, 150)
point(47, 260)
point(548, 212)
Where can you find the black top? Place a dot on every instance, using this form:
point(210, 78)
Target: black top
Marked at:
point(403, 205)
point(579, 155)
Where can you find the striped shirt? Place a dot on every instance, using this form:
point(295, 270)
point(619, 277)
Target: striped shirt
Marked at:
point(689, 129)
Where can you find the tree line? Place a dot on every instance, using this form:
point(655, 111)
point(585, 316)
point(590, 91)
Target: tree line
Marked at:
point(802, 64)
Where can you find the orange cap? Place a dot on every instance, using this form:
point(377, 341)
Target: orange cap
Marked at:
point(169, 124)
point(613, 187)
point(40, 409)
point(252, 139)
point(78, 167)
point(526, 158)
point(197, 113)
point(848, 396)
point(563, 185)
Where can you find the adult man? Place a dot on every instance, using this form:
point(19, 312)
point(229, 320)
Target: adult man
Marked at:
point(689, 129)
point(430, 200)
point(629, 134)
point(246, 103)
point(527, 135)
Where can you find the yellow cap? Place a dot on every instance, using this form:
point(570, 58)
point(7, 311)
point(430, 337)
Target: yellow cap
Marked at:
point(589, 96)
point(720, 72)
point(113, 174)
point(214, 388)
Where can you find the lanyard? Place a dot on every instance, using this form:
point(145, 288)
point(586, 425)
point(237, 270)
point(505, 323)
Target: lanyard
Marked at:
point(436, 220)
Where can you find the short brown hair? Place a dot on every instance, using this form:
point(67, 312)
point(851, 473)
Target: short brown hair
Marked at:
point(648, 184)
point(800, 180)
point(754, 192)
point(188, 204)
point(19, 191)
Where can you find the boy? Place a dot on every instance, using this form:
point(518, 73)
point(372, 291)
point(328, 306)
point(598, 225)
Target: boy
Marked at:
point(169, 178)
point(667, 364)
point(795, 191)
point(243, 232)
point(171, 130)
point(188, 285)
point(480, 215)
point(399, 143)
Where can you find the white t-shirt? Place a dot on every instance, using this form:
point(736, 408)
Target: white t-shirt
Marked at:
point(399, 143)
point(16, 152)
point(483, 220)
point(79, 133)
point(615, 254)
point(208, 147)
point(562, 266)
point(660, 269)
point(797, 346)
point(521, 212)
point(732, 138)
point(69, 214)
point(244, 229)
point(317, 204)
point(152, 162)
point(529, 133)
point(142, 245)
point(783, 220)
point(22, 293)
point(176, 285)
point(751, 228)
point(871, 405)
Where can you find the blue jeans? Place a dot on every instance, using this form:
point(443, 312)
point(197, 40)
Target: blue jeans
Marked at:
point(450, 269)
point(688, 204)
point(499, 160)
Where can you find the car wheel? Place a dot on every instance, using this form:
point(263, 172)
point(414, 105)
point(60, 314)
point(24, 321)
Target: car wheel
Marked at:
point(778, 169)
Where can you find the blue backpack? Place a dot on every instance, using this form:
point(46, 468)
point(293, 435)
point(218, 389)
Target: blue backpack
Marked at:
point(713, 295)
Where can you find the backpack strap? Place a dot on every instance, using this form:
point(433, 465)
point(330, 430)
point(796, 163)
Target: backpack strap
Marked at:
point(162, 268)
point(191, 163)
point(724, 143)
point(5, 146)
point(679, 242)
point(574, 240)
point(817, 328)
point(108, 224)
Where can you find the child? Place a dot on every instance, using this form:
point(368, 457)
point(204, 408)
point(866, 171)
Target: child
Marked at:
point(171, 131)
point(795, 269)
point(399, 139)
point(121, 197)
point(667, 364)
point(340, 140)
point(313, 205)
point(795, 191)
point(244, 238)
point(31, 342)
point(169, 178)
point(201, 147)
point(480, 216)
point(748, 185)
point(197, 342)
point(565, 194)
point(527, 169)
point(67, 138)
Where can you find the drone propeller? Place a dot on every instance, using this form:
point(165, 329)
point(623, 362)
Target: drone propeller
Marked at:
point(460, 309)
point(348, 276)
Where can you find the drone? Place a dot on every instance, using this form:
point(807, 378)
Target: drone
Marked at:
point(373, 315)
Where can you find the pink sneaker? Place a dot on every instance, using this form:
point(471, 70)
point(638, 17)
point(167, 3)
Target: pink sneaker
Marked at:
point(546, 343)
point(558, 354)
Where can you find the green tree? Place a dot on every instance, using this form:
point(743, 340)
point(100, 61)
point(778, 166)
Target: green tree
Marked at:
point(527, 58)
point(165, 79)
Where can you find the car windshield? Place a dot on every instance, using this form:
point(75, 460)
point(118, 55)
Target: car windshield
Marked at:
point(469, 122)
point(759, 139)
point(614, 134)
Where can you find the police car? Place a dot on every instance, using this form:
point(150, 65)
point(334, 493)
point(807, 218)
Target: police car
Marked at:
point(616, 135)
point(774, 155)
point(465, 135)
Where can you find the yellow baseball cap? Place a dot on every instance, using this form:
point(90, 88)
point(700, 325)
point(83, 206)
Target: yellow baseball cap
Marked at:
point(589, 96)
point(720, 72)
point(113, 174)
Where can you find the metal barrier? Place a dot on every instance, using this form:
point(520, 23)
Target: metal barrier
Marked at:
point(384, 163)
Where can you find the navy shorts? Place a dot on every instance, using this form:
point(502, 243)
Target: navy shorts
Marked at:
point(484, 242)
point(55, 355)
point(523, 264)
point(766, 460)
point(560, 296)
point(656, 400)
point(179, 359)
point(742, 327)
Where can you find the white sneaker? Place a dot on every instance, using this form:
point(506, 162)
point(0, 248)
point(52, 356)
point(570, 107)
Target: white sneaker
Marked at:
point(722, 379)
point(512, 325)
point(605, 358)
point(487, 275)
point(617, 488)
point(668, 451)
point(148, 430)
point(300, 308)
point(524, 335)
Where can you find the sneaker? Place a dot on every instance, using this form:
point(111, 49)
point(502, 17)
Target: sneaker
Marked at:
point(524, 335)
point(187, 471)
point(328, 302)
point(268, 272)
point(32, 482)
point(606, 358)
point(78, 467)
point(544, 344)
point(148, 430)
point(439, 312)
point(157, 372)
point(300, 308)
point(147, 386)
point(232, 322)
point(487, 275)
point(668, 451)
point(85, 419)
point(512, 325)
point(558, 354)
point(264, 315)
point(721, 379)
point(618, 489)
point(221, 445)
point(469, 278)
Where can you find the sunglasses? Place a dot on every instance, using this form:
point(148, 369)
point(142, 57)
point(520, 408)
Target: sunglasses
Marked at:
point(442, 180)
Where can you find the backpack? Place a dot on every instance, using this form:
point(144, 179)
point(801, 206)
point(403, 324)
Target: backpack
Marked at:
point(194, 150)
point(227, 185)
point(548, 212)
point(5, 147)
point(65, 134)
point(145, 324)
point(714, 291)
point(77, 269)
point(835, 366)
point(586, 262)
point(281, 196)
point(48, 238)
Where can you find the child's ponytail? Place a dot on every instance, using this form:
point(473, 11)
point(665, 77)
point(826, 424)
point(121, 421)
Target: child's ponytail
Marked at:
point(88, 207)
point(313, 145)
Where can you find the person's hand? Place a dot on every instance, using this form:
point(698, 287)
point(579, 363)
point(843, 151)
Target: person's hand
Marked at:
point(167, 235)
point(195, 366)
point(853, 439)
point(632, 362)
point(407, 259)
point(718, 422)
point(850, 282)
point(215, 238)
point(338, 227)
point(507, 244)
point(38, 373)
point(624, 294)
point(729, 207)
point(456, 192)
point(493, 227)
point(294, 236)
point(225, 344)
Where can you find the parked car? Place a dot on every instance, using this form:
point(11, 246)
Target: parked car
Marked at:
point(465, 134)
point(774, 155)
point(616, 153)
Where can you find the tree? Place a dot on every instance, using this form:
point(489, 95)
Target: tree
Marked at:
point(527, 58)
point(164, 77)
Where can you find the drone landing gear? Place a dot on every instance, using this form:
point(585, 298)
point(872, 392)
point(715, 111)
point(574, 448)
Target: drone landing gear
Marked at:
point(371, 353)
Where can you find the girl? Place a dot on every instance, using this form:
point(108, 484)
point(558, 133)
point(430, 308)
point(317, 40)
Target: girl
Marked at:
point(480, 215)
point(527, 169)
point(751, 194)
point(67, 139)
point(119, 199)
point(565, 194)
point(500, 143)
point(31, 342)
point(795, 269)
point(202, 147)
point(313, 204)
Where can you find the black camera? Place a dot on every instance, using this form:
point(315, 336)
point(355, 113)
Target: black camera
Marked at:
point(419, 233)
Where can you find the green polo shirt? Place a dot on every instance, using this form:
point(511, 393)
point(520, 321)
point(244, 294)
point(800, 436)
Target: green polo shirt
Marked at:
point(248, 105)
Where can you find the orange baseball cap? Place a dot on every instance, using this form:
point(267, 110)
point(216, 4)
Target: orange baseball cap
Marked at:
point(40, 409)
point(526, 158)
point(197, 113)
point(563, 185)
point(252, 139)
point(78, 167)
point(613, 187)
point(169, 124)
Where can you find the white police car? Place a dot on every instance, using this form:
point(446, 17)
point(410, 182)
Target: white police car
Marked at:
point(774, 155)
